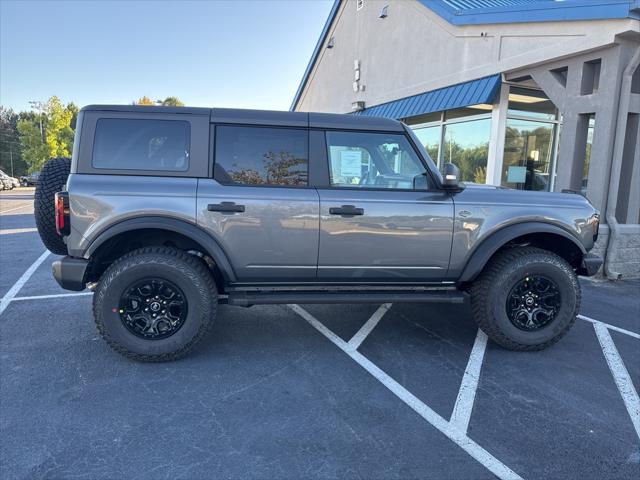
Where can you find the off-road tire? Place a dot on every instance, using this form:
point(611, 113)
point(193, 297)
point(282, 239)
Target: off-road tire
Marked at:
point(52, 179)
point(186, 271)
point(490, 290)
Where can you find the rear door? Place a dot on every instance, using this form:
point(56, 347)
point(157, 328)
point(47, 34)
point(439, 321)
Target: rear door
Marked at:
point(381, 219)
point(259, 205)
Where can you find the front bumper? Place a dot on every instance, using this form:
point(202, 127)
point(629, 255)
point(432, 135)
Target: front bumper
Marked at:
point(591, 263)
point(69, 272)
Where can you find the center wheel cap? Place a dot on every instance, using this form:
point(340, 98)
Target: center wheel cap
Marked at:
point(155, 306)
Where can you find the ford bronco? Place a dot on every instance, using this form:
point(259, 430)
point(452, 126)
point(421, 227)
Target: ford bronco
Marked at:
point(167, 211)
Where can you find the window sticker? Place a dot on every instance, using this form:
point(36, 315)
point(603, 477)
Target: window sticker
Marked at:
point(517, 174)
point(350, 163)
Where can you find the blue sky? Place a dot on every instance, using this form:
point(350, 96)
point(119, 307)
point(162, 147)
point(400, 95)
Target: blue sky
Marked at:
point(246, 54)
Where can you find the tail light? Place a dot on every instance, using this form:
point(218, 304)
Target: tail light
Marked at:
point(63, 226)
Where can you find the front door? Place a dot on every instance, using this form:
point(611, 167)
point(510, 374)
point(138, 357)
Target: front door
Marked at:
point(381, 220)
point(259, 205)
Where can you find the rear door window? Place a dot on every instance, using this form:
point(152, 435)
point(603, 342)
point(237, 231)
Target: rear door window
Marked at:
point(262, 156)
point(140, 144)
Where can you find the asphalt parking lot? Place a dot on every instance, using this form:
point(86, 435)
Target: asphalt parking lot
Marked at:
point(310, 391)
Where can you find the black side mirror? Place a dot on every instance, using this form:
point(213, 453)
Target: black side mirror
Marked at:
point(451, 177)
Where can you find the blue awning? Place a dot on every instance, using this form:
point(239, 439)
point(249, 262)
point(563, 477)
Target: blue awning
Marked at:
point(482, 90)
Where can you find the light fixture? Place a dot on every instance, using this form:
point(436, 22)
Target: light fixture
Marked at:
point(383, 12)
point(516, 97)
point(482, 106)
point(357, 106)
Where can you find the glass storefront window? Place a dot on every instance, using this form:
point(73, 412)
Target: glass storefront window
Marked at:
point(430, 139)
point(530, 103)
point(467, 145)
point(587, 155)
point(528, 153)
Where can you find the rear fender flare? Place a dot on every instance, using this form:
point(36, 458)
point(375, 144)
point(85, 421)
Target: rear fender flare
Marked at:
point(195, 233)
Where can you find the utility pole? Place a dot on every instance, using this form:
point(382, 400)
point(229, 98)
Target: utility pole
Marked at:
point(11, 157)
point(39, 106)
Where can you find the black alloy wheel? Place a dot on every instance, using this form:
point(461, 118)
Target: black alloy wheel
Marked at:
point(533, 302)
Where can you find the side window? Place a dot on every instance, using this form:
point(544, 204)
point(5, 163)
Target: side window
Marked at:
point(261, 156)
point(140, 144)
point(373, 160)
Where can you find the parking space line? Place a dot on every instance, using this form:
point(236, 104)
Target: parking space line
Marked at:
point(610, 327)
point(10, 231)
point(494, 465)
point(370, 324)
point(21, 281)
point(56, 295)
point(620, 374)
point(16, 208)
point(467, 394)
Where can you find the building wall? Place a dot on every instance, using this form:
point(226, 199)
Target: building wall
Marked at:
point(414, 50)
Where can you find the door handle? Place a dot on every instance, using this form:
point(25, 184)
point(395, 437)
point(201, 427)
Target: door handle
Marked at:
point(225, 207)
point(346, 210)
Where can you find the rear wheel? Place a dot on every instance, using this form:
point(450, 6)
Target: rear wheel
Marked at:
point(155, 304)
point(52, 179)
point(526, 299)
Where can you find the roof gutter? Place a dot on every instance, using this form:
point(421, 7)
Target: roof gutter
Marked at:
point(316, 53)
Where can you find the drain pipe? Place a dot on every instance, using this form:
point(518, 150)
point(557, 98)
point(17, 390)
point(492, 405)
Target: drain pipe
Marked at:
point(616, 166)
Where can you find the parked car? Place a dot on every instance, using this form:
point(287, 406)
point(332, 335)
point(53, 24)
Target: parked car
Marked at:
point(30, 180)
point(14, 181)
point(166, 212)
point(7, 183)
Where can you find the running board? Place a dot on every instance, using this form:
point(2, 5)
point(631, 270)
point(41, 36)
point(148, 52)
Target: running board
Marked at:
point(246, 299)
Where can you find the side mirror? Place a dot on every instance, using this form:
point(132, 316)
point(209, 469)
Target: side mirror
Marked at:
point(451, 176)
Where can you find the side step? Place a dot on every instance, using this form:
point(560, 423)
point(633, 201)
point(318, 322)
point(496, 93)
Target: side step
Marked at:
point(248, 298)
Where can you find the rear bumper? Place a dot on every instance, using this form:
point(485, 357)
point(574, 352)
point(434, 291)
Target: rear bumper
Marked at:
point(69, 272)
point(591, 263)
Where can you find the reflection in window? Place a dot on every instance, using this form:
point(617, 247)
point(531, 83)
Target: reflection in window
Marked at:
point(467, 145)
point(587, 154)
point(430, 139)
point(261, 156)
point(528, 151)
point(530, 103)
point(127, 144)
point(372, 160)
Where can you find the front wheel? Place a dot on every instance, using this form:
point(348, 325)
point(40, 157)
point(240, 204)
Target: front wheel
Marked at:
point(526, 299)
point(155, 304)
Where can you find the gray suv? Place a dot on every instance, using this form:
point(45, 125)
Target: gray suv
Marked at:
point(166, 212)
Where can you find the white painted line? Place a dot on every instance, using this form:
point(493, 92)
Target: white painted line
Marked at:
point(620, 375)
point(21, 281)
point(610, 327)
point(472, 448)
point(9, 231)
point(466, 395)
point(57, 295)
point(16, 208)
point(366, 329)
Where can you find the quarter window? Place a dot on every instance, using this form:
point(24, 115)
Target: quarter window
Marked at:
point(372, 160)
point(261, 156)
point(126, 144)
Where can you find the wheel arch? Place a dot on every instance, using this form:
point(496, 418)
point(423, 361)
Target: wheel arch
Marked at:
point(170, 229)
point(544, 235)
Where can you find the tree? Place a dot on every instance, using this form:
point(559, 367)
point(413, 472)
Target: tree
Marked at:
point(59, 134)
point(47, 134)
point(10, 151)
point(144, 101)
point(171, 102)
point(34, 151)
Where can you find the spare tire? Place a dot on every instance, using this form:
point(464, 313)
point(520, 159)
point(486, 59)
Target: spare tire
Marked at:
point(53, 178)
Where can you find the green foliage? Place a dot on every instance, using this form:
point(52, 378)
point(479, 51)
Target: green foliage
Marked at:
point(172, 102)
point(47, 134)
point(34, 151)
point(10, 151)
point(471, 161)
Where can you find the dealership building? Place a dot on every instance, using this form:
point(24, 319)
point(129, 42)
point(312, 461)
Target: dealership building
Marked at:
point(527, 94)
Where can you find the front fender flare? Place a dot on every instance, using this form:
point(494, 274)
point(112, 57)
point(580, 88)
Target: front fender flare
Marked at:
point(190, 230)
point(490, 245)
